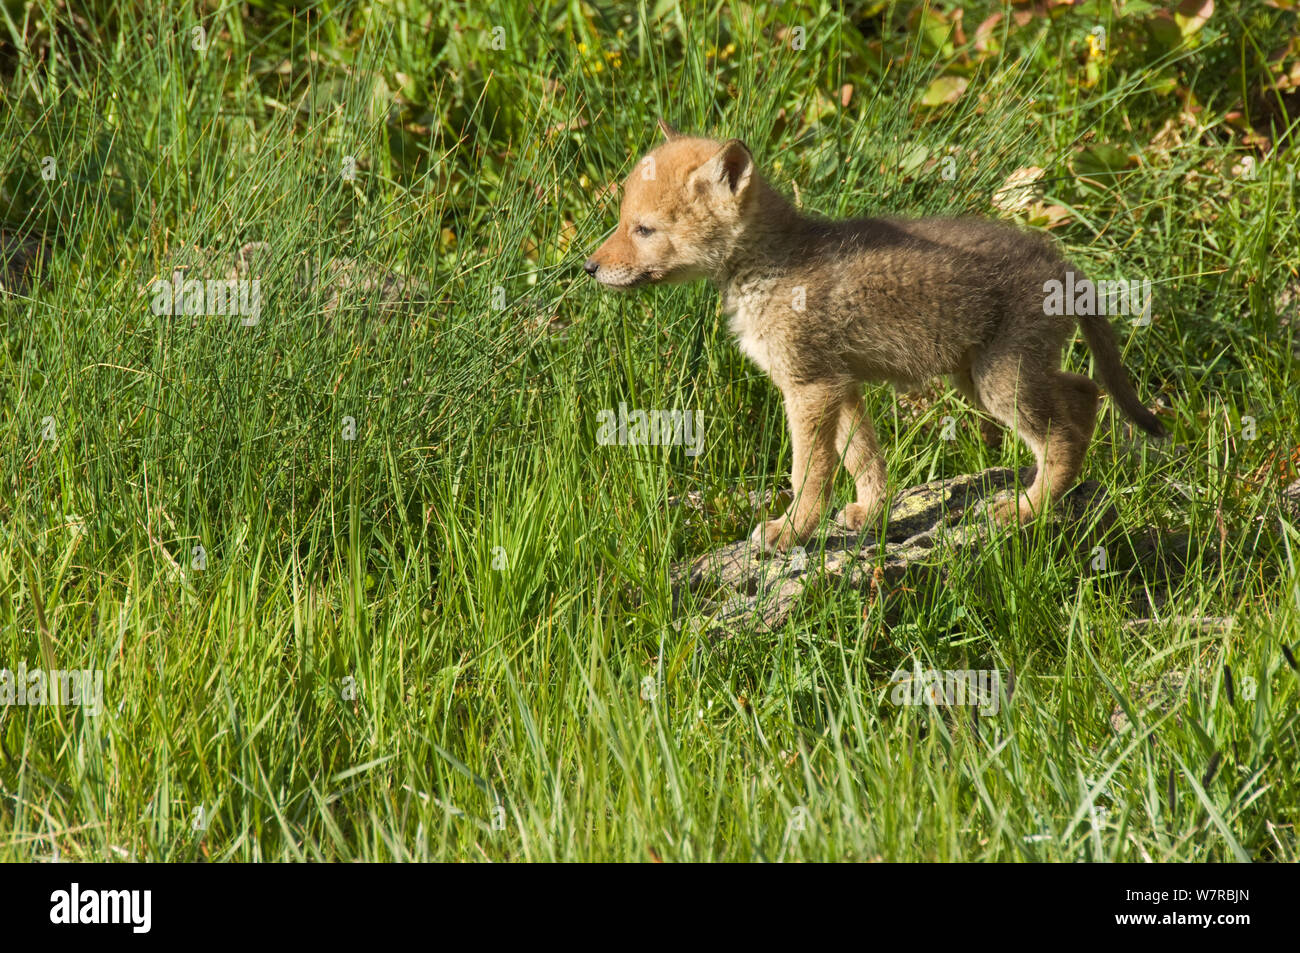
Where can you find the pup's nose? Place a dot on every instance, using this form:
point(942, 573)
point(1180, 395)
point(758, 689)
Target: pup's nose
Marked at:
point(591, 267)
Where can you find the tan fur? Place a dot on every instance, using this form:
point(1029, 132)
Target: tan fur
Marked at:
point(882, 300)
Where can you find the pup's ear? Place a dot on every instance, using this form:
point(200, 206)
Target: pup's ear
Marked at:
point(669, 132)
point(729, 170)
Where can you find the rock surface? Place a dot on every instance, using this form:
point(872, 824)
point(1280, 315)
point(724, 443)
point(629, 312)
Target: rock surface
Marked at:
point(929, 526)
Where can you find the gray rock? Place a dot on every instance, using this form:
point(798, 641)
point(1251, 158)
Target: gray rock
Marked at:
point(928, 528)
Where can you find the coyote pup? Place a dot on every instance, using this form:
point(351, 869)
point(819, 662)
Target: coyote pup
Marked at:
point(823, 306)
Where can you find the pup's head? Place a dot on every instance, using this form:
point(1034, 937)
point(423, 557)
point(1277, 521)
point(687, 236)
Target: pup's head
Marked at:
point(685, 207)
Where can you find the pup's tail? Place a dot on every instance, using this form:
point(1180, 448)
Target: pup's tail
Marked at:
point(1101, 341)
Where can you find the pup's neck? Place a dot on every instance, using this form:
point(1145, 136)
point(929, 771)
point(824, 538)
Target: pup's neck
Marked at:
point(776, 236)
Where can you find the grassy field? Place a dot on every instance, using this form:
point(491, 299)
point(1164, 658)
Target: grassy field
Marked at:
point(363, 584)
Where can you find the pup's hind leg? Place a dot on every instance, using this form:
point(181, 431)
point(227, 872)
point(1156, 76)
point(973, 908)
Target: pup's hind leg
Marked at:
point(1051, 411)
point(990, 431)
point(858, 449)
point(1081, 397)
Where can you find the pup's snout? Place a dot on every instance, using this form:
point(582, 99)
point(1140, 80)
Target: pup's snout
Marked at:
point(591, 267)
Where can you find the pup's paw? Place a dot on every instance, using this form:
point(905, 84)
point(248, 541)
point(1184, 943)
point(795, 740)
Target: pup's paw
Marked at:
point(858, 515)
point(1014, 511)
point(773, 536)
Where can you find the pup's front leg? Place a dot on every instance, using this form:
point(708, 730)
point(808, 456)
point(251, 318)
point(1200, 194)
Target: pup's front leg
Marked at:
point(813, 414)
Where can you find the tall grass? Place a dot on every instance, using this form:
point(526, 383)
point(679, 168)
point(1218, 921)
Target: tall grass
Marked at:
point(452, 637)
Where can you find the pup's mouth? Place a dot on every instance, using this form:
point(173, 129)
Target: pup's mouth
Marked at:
point(636, 281)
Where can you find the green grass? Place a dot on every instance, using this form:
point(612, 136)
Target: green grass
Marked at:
point(452, 637)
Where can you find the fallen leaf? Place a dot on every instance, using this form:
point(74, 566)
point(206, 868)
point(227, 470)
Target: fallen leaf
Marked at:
point(1101, 160)
point(985, 40)
point(1193, 14)
point(945, 89)
point(1018, 190)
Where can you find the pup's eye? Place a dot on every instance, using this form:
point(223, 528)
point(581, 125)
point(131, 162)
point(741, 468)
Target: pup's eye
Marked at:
point(642, 232)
